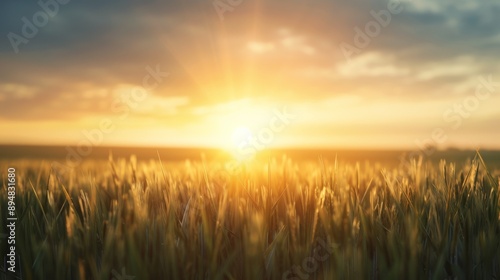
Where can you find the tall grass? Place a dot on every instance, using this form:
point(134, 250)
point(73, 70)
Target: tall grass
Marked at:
point(198, 220)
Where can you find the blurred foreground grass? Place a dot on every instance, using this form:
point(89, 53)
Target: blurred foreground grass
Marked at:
point(266, 220)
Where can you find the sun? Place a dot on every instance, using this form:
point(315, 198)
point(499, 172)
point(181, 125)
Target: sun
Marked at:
point(241, 133)
point(236, 126)
point(241, 139)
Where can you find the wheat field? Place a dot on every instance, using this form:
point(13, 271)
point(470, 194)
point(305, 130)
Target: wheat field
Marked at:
point(274, 219)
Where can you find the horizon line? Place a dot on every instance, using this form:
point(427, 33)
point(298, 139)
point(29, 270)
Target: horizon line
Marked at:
point(303, 148)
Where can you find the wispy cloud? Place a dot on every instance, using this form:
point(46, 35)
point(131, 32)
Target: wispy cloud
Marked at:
point(274, 51)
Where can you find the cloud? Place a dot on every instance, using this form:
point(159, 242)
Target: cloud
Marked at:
point(371, 64)
point(264, 51)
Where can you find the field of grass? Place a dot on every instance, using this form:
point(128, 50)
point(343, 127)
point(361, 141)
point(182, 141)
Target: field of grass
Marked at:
point(279, 219)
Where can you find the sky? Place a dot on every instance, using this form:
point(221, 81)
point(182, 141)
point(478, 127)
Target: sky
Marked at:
point(236, 73)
